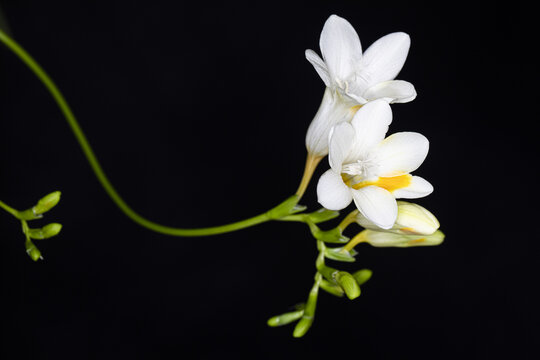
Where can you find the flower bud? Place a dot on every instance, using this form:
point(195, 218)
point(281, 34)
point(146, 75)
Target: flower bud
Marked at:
point(47, 203)
point(387, 239)
point(32, 251)
point(306, 321)
point(46, 232)
point(412, 219)
point(302, 326)
point(362, 276)
point(285, 319)
point(348, 284)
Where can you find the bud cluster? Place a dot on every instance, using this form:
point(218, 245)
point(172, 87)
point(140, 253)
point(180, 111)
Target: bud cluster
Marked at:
point(43, 205)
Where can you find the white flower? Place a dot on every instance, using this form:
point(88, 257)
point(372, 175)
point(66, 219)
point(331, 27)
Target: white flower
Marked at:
point(370, 169)
point(412, 219)
point(352, 78)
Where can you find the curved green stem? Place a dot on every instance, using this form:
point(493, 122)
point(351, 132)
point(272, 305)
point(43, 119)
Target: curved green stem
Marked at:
point(9, 209)
point(96, 167)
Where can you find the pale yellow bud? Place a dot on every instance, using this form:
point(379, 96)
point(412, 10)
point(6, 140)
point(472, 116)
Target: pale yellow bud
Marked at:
point(412, 219)
point(388, 239)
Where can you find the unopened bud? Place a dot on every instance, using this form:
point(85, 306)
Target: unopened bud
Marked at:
point(32, 251)
point(47, 203)
point(46, 232)
point(348, 284)
point(361, 276)
point(412, 219)
point(285, 319)
point(386, 239)
point(302, 326)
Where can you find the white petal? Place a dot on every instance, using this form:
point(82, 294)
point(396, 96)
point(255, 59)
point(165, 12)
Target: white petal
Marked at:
point(377, 205)
point(419, 187)
point(385, 57)
point(332, 193)
point(370, 124)
point(340, 47)
point(401, 153)
point(319, 66)
point(340, 144)
point(334, 109)
point(393, 91)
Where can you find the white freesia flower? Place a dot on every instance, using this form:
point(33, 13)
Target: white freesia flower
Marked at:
point(370, 169)
point(412, 219)
point(352, 78)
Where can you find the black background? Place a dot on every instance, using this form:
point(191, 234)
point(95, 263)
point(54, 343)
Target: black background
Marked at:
point(198, 114)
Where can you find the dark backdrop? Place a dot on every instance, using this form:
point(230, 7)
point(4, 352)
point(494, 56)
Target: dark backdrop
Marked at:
point(198, 114)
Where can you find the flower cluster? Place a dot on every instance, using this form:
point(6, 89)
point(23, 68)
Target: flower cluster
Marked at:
point(367, 167)
point(351, 125)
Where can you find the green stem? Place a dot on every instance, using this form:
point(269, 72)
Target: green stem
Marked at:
point(96, 167)
point(9, 209)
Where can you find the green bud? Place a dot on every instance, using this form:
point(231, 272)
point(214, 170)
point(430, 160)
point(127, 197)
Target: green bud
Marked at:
point(302, 326)
point(46, 232)
point(288, 207)
point(339, 254)
point(285, 319)
point(322, 215)
point(47, 202)
point(331, 288)
point(32, 251)
point(348, 284)
point(362, 276)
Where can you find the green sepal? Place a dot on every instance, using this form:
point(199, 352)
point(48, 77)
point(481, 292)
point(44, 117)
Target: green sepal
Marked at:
point(362, 276)
point(332, 288)
point(288, 207)
point(333, 236)
point(339, 254)
point(328, 272)
point(285, 318)
point(46, 232)
point(322, 215)
point(28, 214)
point(348, 284)
point(32, 250)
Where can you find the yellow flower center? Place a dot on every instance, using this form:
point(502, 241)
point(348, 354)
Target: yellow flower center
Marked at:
point(389, 183)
